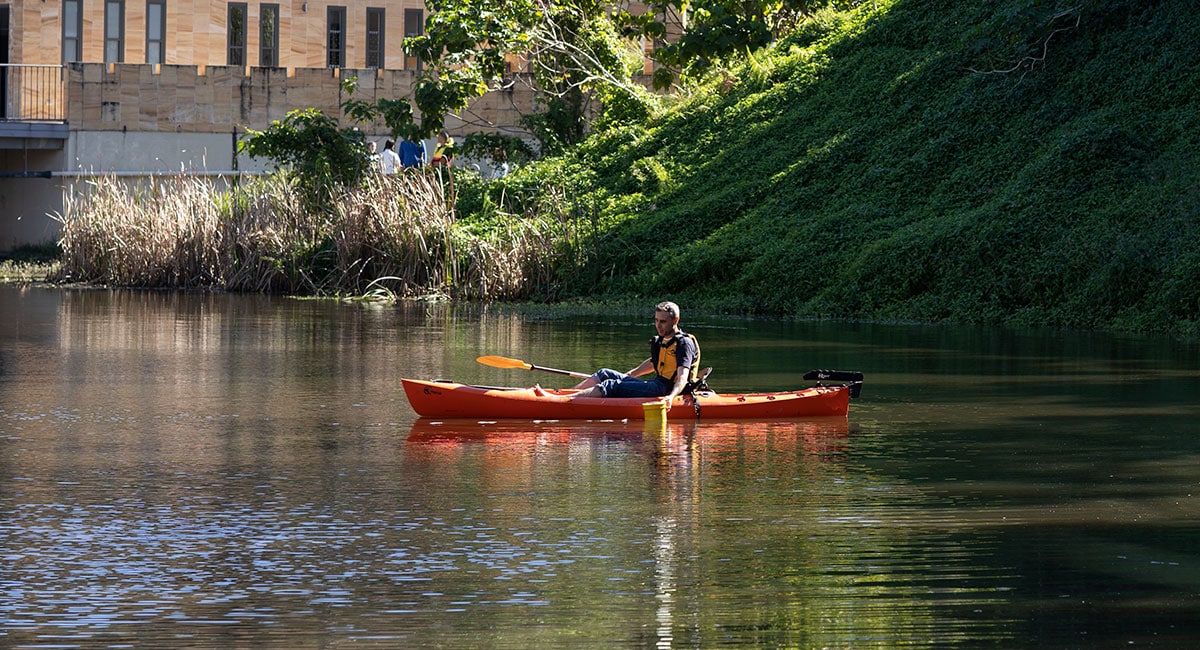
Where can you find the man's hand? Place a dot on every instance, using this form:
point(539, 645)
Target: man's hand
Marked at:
point(681, 380)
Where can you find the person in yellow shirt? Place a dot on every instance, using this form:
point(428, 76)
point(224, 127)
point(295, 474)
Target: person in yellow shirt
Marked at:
point(443, 153)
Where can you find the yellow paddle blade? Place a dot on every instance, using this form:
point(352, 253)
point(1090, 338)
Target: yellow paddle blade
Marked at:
point(503, 362)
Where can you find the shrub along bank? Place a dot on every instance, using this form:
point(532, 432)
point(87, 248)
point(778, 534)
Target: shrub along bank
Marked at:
point(1018, 162)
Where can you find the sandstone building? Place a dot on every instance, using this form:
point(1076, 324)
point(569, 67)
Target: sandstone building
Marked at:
point(137, 88)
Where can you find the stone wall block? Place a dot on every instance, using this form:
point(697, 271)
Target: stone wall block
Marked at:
point(224, 99)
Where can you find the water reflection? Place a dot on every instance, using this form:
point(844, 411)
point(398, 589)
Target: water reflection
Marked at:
point(231, 471)
point(812, 537)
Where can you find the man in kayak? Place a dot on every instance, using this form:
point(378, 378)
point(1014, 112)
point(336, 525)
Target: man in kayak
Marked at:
point(674, 358)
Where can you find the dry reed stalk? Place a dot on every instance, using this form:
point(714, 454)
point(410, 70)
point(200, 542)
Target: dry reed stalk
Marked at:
point(395, 233)
point(398, 226)
point(141, 235)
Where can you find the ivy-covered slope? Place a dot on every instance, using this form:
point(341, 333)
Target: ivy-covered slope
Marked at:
point(1022, 161)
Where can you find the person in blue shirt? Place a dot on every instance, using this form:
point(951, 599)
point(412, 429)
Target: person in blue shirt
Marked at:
point(412, 153)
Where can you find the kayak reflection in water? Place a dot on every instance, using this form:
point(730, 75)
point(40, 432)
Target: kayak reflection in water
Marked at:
point(674, 359)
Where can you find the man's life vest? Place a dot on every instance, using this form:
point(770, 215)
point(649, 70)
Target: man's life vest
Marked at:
point(662, 352)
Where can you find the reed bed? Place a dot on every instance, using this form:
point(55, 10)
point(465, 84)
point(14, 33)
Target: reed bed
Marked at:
point(397, 235)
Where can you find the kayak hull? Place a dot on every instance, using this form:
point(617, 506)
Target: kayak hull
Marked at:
point(441, 399)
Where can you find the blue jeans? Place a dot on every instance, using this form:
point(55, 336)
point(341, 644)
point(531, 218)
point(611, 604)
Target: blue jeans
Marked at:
point(619, 384)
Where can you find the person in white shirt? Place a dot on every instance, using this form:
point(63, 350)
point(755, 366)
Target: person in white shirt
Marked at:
point(389, 158)
point(373, 156)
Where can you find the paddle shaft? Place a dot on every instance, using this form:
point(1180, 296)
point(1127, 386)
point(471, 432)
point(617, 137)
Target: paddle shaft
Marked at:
point(560, 372)
point(505, 362)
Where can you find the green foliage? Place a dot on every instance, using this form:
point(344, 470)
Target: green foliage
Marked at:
point(574, 50)
point(497, 147)
point(1029, 162)
point(464, 48)
point(325, 157)
point(559, 125)
point(623, 106)
point(46, 252)
point(30, 263)
point(397, 114)
point(471, 196)
point(716, 31)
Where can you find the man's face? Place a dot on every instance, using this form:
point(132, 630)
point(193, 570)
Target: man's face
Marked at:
point(664, 323)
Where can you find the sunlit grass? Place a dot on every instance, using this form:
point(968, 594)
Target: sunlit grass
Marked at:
point(27, 271)
point(30, 263)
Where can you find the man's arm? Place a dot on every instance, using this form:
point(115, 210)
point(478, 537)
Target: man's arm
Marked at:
point(643, 368)
point(681, 379)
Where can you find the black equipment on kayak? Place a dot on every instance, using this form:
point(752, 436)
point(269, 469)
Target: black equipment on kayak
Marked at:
point(852, 379)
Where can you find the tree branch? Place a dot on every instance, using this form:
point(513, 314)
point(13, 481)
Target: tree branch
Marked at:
point(1027, 63)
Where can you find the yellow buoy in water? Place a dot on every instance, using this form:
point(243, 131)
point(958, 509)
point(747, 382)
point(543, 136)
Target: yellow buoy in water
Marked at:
point(656, 414)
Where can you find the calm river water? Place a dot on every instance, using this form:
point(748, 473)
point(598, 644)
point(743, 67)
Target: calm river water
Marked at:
point(216, 471)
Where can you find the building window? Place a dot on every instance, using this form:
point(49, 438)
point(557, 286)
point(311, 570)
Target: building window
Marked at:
point(414, 25)
point(236, 33)
point(156, 31)
point(114, 31)
point(375, 31)
point(268, 36)
point(336, 31)
point(72, 44)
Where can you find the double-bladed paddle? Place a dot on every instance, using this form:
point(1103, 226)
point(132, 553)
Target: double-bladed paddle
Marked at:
point(505, 362)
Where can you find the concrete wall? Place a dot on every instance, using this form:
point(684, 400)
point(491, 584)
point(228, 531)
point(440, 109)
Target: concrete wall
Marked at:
point(26, 206)
point(223, 99)
point(137, 151)
point(27, 203)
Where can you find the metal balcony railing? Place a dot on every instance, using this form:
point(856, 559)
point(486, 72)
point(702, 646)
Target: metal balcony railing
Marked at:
point(32, 93)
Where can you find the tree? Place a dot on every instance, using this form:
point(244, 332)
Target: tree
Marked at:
point(713, 30)
point(571, 49)
point(576, 51)
point(463, 51)
point(324, 155)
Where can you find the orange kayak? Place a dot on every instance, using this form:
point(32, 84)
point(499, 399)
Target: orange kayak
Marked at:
point(443, 399)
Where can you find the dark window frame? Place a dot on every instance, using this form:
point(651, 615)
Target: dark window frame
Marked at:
point(72, 46)
point(116, 40)
point(268, 35)
point(161, 42)
point(335, 37)
point(235, 33)
point(413, 18)
point(376, 30)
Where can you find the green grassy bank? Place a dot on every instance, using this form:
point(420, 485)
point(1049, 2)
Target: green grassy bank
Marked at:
point(1023, 162)
point(1020, 162)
